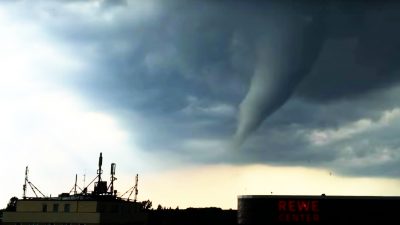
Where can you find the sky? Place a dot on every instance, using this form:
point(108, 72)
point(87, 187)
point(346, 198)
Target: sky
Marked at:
point(205, 100)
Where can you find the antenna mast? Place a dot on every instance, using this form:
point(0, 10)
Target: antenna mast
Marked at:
point(136, 187)
point(75, 186)
point(113, 178)
point(100, 171)
point(76, 180)
point(32, 186)
point(24, 186)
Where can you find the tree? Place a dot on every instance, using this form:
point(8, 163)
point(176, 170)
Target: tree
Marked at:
point(12, 204)
point(146, 205)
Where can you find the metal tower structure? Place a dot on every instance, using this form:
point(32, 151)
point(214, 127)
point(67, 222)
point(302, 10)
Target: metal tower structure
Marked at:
point(136, 187)
point(112, 179)
point(132, 189)
point(32, 186)
point(100, 171)
point(26, 180)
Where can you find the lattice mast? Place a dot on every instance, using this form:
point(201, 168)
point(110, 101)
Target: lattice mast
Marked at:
point(24, 186)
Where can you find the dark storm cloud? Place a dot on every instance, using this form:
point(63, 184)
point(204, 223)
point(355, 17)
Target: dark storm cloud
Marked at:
point(299, 76)
point(367, 60)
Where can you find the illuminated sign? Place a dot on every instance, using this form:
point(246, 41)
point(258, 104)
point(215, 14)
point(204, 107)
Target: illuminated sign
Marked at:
point(298, 211)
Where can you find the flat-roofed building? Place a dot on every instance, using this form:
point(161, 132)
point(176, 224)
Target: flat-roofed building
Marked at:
point(75, 211)
point(101, 206)
point(317, 209)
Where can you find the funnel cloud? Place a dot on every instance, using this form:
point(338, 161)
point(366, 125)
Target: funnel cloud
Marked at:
point(283, 61)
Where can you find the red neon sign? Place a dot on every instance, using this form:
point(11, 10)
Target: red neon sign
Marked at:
point(298, 211)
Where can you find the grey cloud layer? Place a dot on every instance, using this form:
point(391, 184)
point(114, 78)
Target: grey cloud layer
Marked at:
point(185, 67)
